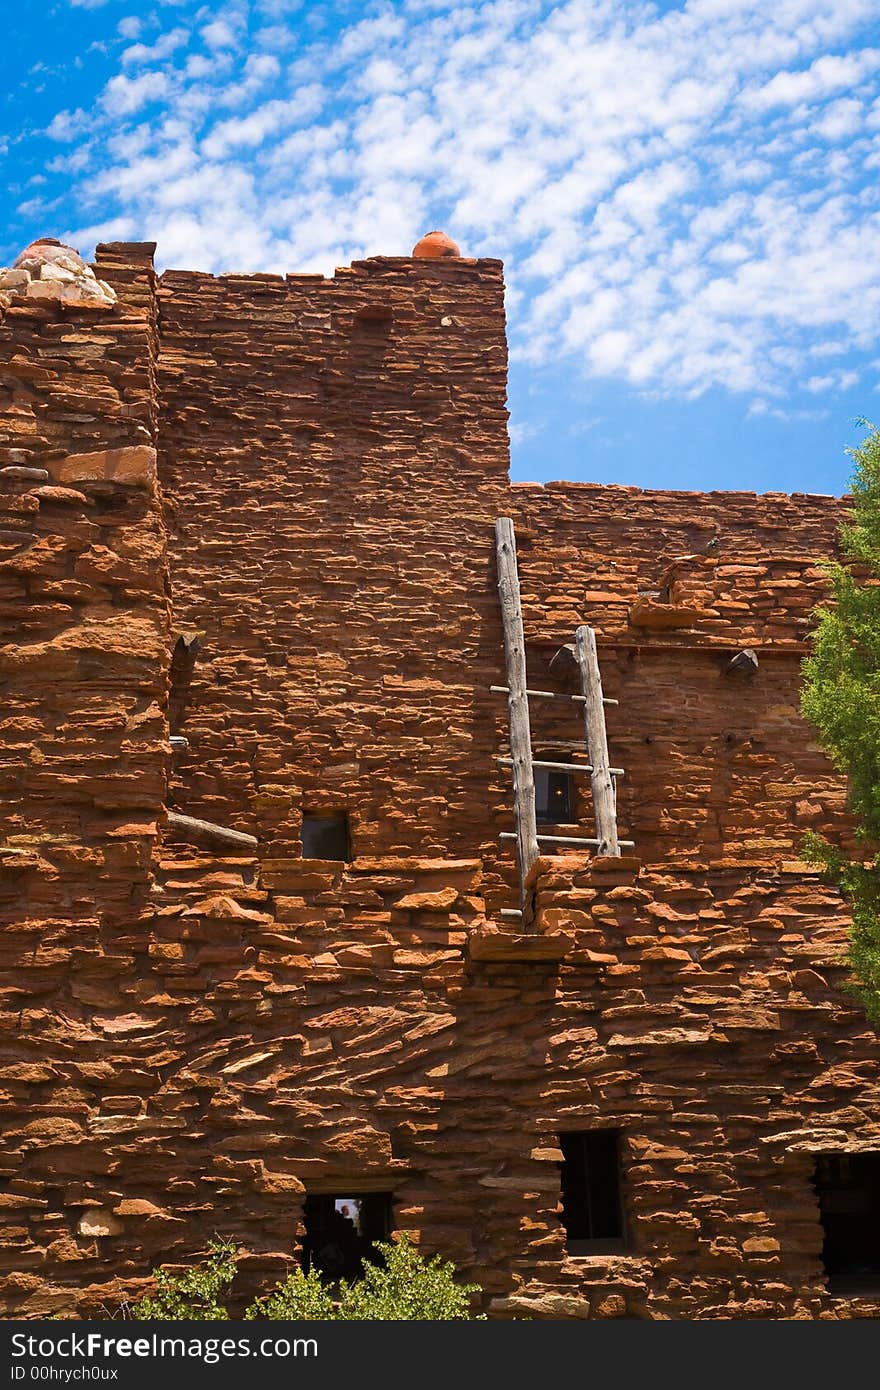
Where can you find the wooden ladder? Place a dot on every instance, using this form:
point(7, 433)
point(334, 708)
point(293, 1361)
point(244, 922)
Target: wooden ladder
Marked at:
point(522, 764)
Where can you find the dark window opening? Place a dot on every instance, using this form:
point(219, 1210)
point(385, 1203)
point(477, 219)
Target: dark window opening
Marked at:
point(341, 1233)
point(374, 318)
point(848, 1188)
point(554, 793)
point(592, 1208)
point(326, 837)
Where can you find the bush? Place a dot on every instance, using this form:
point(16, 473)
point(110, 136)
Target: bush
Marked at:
point(195, 1294)
point(300, 1298)
point(406, 1286)
point(841, 697)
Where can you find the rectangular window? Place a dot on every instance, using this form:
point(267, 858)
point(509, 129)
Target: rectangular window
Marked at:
point(553, 795)
point(341, 1233)
point(326, 836)
point(592, 1208)
point(848, 1188)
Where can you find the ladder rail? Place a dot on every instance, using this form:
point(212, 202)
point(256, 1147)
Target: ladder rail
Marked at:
point(525, 820)
point(604, 791)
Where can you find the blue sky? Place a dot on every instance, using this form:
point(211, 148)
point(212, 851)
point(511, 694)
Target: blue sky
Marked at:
point(685, 196)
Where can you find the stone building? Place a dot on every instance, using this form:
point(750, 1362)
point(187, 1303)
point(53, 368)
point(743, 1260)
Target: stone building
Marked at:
point(255, 515)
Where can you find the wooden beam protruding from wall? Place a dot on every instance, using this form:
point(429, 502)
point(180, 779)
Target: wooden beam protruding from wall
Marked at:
point(214, 836)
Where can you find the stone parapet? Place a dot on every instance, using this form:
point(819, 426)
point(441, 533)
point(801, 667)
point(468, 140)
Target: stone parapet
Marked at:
point(84, 624)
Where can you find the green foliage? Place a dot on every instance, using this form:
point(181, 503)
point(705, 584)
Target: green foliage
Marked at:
point(300, 1298)
point(194, 1294)
point(841, 697)
point(406, 1286)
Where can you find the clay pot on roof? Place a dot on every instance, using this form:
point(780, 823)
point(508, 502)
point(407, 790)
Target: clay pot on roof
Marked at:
point(435, 246)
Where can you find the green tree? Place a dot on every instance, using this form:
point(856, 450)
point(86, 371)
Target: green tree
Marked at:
point(195, 1293)
point(841, 697)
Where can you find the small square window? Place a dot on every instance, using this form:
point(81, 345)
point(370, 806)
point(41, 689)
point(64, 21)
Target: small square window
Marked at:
point(848, 1188)
point(592, 1208)
point(554, 794)
point(326, 837)
point(341, 1233)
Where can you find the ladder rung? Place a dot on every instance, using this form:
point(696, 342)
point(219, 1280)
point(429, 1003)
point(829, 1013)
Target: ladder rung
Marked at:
point(550, 695)
point(568, 840)
point(563, 767)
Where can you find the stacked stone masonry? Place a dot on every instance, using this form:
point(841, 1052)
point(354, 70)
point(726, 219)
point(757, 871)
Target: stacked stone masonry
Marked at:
point(303, 475)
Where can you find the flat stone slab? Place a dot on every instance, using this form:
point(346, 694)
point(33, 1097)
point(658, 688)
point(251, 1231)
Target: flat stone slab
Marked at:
point(24, 473)
point(134, 465)
point(491, 943)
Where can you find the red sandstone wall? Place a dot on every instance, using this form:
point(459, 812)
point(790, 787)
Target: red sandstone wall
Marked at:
point(326, 1028)
point(86, 612)
point(335, 454)
point(83, 674)
point(718, 768)
point(332, 537)
point(703, 1013)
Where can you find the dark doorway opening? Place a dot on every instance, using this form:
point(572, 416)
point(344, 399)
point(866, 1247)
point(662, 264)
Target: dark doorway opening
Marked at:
point(592, 1206)
point(848, 1188)
point(326, 836)
point(341, 1233)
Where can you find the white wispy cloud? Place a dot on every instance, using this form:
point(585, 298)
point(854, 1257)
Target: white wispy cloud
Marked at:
point(68, 125)
point(269, 119)
point(164, 46)
point(684, 198)
point(821, 79)
point(124, 95)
